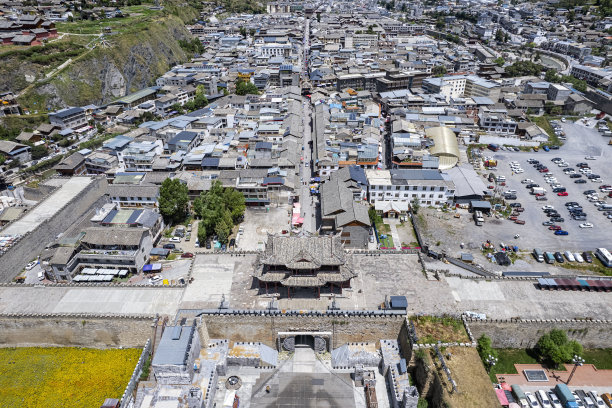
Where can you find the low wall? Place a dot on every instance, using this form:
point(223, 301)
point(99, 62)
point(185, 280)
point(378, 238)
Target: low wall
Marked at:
point(512, 333)
point(29, 330)
point(264, 328)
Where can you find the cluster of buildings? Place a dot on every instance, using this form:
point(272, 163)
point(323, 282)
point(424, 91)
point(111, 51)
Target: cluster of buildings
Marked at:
point(26, 29)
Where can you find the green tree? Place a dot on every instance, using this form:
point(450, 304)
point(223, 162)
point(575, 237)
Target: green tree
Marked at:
point(485, 348)
point(244, 88)
point(173, 200)
point(243, 31)
point(555, 348)
point(202, 233)
point(415, 205)
point(499, 36)
point(438, 70)
point(551, 76)
point(219, 209)
point(38, 152)
point(499, 61)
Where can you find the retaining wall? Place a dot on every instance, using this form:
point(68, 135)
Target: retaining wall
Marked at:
point(516, 333)
point(84, 330)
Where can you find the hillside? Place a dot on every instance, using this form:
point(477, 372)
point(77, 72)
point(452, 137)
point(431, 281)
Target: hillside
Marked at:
point(101, 68)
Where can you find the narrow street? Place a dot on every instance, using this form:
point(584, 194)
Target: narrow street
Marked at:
point(308, 202)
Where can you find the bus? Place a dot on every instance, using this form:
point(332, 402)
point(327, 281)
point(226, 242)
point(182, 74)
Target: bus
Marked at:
point(604, 256)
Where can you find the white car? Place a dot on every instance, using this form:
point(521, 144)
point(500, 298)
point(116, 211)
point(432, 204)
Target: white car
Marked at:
point(569, 256)
point(590, 158)
point(554, 401)
point(563, 164)
point(528, 181)
point(586, 225)
point(31, 265)
point(543, 397)
point(175, 239)
point(548, 207)
point(154, 280)
point(578, 257)
point(597, 399)
point(531, 400)
point(519, 171)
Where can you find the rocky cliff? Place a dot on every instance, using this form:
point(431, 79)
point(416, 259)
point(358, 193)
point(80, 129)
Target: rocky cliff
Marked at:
point(121, 64)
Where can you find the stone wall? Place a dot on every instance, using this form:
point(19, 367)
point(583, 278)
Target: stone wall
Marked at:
point(262, 328)
point(75, 330)
point(30, 245)
point(510, 333)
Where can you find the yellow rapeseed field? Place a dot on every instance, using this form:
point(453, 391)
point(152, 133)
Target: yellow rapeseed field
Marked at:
point(36, 377)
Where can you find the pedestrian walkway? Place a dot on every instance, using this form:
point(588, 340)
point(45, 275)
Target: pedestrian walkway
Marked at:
point(397, 242)
point(585, 376)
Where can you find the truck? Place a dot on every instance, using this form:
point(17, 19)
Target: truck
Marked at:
point(478, 218)
point(493, 147)
point(565, 396)
point(538, 190)
point(520, 396)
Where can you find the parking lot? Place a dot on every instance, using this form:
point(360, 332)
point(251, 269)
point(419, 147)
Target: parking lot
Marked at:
point(259, 222)
point(581, 142)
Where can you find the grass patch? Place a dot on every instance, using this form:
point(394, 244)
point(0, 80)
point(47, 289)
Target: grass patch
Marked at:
point(600, 358)
point(171, 257)
point(544, 123)
point(136, 14)
point(595, 267)
point(56, 377)
point(431, 329)
point(508, 357)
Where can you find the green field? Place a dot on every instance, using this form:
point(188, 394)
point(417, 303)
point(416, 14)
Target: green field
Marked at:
point(63, 377)
point(600, 358)
point(136, 16)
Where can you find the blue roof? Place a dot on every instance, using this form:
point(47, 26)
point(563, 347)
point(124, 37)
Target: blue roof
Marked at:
point(398, 302)
point(66, 112)
point(210, 162)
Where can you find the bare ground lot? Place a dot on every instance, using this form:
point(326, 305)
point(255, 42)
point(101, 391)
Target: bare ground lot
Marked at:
point(446, 233)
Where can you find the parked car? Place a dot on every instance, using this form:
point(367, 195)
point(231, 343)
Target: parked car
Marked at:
point(562, 194)
point(532, 400)
point(586, 225)
point(580, 181)
point(554, 400)
point(154, 280)
point(561, 232)
point(554, 227)
point(587, 257)
point(175, 239)
point(31, 265)
point(169, 246)
point(187, 255)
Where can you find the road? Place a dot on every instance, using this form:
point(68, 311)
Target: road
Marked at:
point(308, 202)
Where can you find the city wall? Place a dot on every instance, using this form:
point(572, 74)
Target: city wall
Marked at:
point(511, 333)
point(29, 330)
point(31, 244)
point(251, 327)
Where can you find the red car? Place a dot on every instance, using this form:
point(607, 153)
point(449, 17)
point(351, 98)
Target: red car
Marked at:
point(544, 171)
point(554, 228)
point(562, 194)
point(520, 222)
point(187, 255)
point(491, 187)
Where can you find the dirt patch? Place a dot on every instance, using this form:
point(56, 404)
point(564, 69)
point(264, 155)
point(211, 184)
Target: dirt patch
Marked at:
point(431, 329)
point(473, 384)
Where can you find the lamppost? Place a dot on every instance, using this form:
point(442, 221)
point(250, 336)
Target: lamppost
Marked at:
point(577, 361)
point(491, 361)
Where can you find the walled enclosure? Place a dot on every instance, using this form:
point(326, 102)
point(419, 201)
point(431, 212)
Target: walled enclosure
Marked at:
point(525, 333)
point(16, 258)
point(251, 327)
point(75, 330)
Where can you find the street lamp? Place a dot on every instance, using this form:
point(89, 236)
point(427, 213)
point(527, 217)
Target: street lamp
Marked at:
point(577, 361)
point(491, 361)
